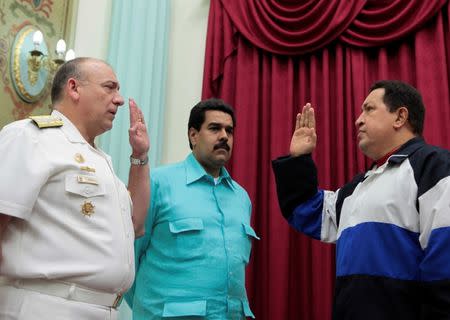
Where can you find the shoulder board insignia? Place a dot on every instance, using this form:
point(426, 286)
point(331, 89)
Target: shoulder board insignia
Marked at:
point(47, 121)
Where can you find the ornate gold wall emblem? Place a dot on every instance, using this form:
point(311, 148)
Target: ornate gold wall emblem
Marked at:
point(30, 86)
point(22, 93)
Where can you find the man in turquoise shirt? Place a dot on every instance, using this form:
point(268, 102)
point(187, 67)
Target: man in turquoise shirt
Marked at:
point(191, 262)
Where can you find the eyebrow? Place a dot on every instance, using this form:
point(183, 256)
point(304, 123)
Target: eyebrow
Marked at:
point(114, 83)
point(219, 124)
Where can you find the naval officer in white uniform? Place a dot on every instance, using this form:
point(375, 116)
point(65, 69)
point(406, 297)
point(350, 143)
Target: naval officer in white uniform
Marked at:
point(67, 223)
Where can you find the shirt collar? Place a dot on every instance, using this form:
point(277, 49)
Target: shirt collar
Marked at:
point(69, 129)
point(195, 172)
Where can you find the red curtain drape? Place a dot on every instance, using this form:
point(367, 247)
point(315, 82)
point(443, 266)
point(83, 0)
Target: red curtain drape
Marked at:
point(269, 57)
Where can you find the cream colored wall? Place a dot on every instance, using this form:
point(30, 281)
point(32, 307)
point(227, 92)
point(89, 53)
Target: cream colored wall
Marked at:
point(92, 28)
point(185, 73)
point(185, 61)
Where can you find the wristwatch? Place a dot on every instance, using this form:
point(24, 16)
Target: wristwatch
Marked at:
point(138, 162)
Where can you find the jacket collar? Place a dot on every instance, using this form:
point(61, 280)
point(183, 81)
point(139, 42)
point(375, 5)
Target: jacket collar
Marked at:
point(69, 129)
point(398, 156)
point(406, 150)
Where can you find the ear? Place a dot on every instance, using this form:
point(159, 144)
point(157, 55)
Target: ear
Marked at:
point(72, 89)
point(193, 136)
point(402, 117)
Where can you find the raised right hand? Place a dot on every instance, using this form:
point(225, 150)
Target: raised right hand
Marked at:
point(138, 135)
point(304, 138)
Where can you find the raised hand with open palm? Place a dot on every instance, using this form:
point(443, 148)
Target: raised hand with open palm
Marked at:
point(304, 138)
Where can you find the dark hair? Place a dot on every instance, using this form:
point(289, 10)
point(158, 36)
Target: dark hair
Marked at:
point(70, 69)
point(400, 94)
point(197, 116)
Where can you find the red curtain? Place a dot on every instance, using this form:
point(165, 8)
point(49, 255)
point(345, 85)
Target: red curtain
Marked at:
point(268, 58)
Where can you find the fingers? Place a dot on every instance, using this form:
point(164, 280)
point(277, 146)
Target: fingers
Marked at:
point(137, 122)
point(305, 115)
point(136, 115)
point(311, 119)
point(138, 136)
point(298, 121)
point(305, 119)
point(133, 111)
point(302, 118)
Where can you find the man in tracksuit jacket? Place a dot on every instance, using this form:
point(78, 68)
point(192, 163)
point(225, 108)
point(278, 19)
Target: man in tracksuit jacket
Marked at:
point(391, 224)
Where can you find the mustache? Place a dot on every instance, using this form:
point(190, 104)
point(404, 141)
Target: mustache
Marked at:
point(222, 145)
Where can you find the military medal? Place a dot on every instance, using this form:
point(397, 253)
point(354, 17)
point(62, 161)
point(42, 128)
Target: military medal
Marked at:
point(79, 158)
point(87, 209)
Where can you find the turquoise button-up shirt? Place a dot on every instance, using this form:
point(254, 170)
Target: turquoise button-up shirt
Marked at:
point(191, 262)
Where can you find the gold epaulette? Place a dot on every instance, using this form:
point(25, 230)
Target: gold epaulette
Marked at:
point(47, 121)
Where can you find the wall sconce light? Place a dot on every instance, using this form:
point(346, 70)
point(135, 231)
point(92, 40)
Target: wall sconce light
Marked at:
point(37, 59)
point(31, 66)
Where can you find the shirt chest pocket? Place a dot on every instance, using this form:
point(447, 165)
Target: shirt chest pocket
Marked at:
point(187, 235)
point(84, 185)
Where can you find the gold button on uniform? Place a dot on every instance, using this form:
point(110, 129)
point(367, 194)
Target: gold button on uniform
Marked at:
point(79, 158)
